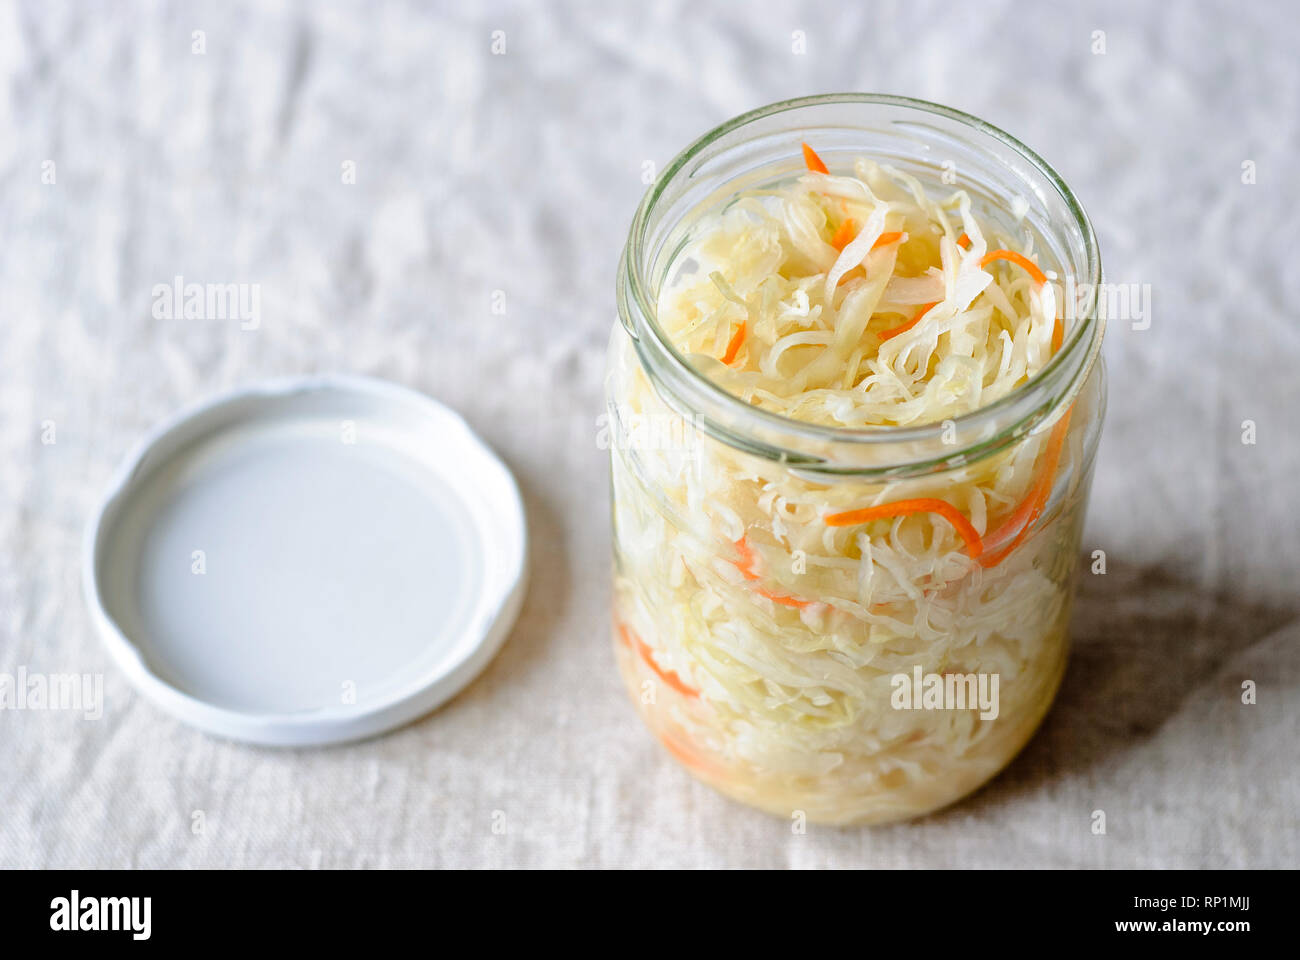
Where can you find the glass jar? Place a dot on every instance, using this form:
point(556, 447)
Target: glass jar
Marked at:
point(791, 665)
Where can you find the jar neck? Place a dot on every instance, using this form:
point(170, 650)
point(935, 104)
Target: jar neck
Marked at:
point(761, 150)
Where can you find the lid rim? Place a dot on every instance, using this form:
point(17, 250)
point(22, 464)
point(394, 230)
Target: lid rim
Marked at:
point(491, 617)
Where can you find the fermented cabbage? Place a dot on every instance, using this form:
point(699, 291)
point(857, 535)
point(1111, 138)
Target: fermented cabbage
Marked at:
point(762, 614)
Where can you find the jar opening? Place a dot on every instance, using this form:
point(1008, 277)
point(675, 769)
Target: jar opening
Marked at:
point(927, 139)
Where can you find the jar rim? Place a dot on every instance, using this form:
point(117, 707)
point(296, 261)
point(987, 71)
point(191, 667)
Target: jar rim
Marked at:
point(1085, 335)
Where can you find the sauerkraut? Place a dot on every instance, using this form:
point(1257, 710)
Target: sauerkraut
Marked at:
point(763, 614)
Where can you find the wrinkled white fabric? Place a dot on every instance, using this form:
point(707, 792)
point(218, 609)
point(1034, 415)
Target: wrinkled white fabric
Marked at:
point(508, 180)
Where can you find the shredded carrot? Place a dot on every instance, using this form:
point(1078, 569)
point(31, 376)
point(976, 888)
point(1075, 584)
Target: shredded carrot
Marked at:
point(1016, 526)
point(812, 161)
point(903, 328)
point(859, 271)
point(667, 676)
point(782, 600)
point(682, 755)
point(1022, 519)
point(1018, 258)
point(746, 563)
point(733, 345)
point(746, 566)
point(900, 508)
point(963, 241)
point(844, 234)
point(688, 757)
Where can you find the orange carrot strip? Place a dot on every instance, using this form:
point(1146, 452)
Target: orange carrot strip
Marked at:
point(844, 234)
point(1017, 521)
point(1040, 278)
point(883, 240)
point(733, 345)
point(688, 757)
point(746, 567)
point(900, 508)
point(1010, 255)
point(746, 564)
point(1027, 513)
point(812, 161)
point(784, 601)
point(963, 241)
point(903, 328)
point(681, 754)
point(1057, 334)
point(669, 676)
point(1028, 510)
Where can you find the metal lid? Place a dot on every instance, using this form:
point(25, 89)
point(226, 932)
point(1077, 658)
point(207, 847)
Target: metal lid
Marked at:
point(307, 561)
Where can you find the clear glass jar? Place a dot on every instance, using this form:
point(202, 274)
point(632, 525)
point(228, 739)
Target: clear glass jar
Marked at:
point(761, 648)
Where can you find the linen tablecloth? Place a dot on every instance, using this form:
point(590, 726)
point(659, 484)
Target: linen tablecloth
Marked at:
point(437, 194)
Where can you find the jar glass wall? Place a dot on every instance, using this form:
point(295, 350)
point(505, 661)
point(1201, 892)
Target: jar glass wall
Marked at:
point(764, 649)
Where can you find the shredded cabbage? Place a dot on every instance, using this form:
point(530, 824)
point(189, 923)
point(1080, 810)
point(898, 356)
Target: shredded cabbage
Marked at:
point(762, 641)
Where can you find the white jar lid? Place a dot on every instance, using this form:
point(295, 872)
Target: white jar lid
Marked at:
point(307, 561)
